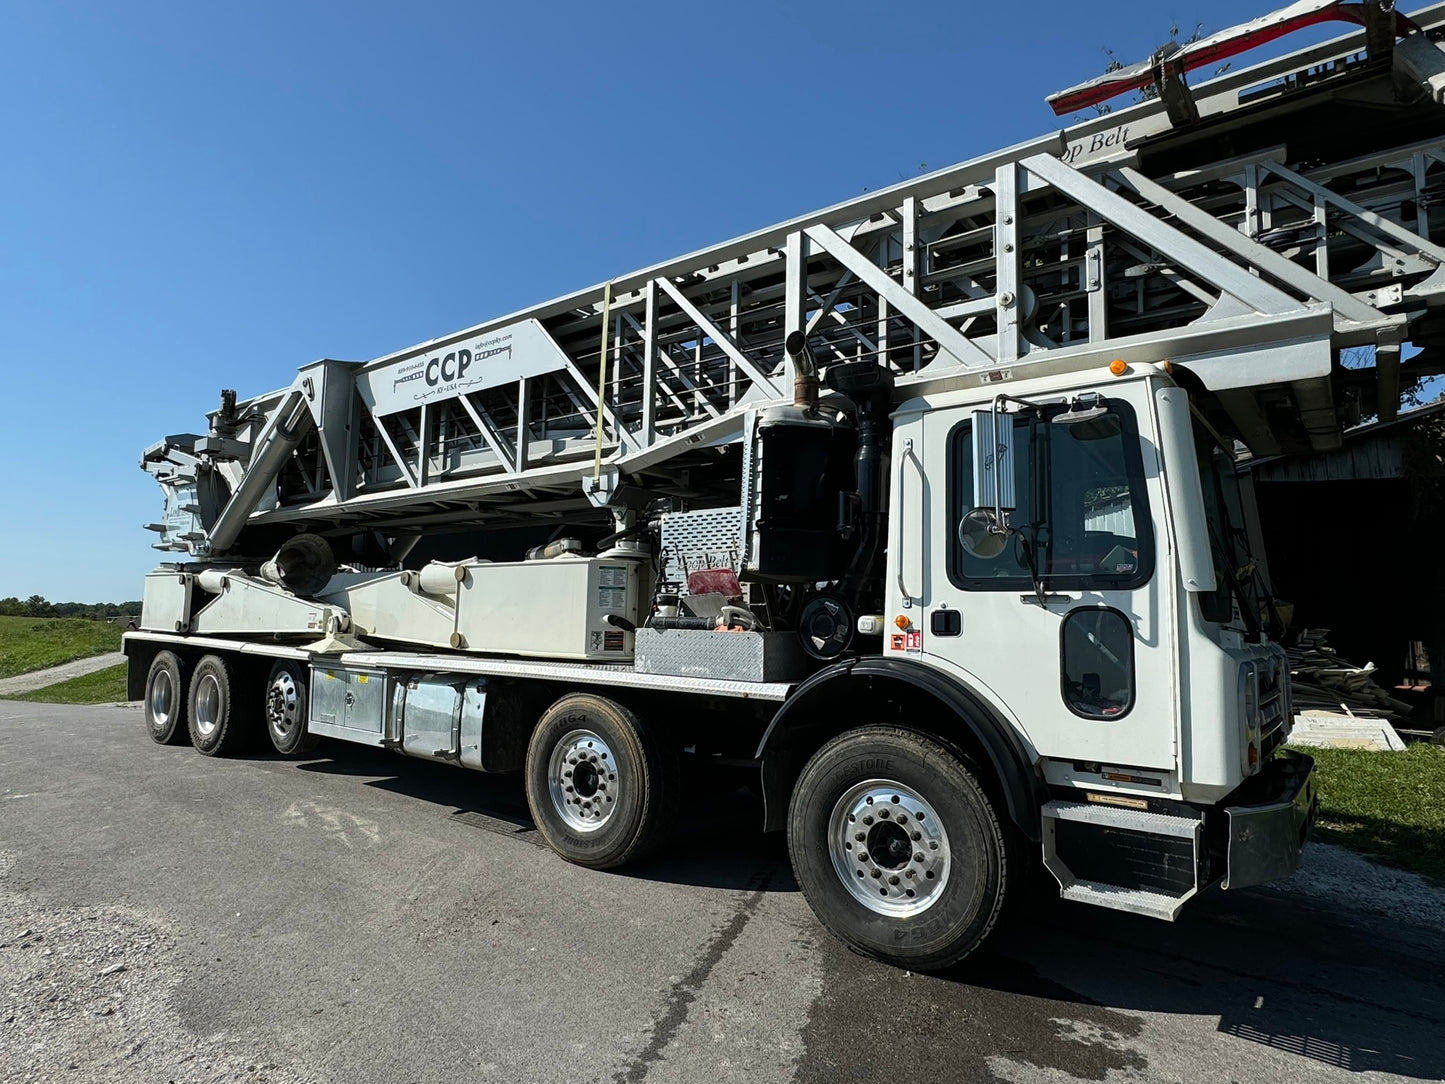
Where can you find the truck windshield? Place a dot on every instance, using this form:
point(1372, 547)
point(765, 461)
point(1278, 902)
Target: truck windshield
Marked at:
point(1228, 540)
point(1082, 506)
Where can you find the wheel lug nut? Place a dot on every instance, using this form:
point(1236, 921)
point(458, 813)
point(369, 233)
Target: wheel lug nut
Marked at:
point(918, 857)
point(877, 873)
point(903, 818)
point(917, 836)
point(893, 880)
point(860, 837)
point(862, 856)
point(933, 846)
point(569, 790)
point(867, 820)
point(911, 874)
point(883, 813)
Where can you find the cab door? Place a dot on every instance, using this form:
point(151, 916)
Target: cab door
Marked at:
point(1067, 629)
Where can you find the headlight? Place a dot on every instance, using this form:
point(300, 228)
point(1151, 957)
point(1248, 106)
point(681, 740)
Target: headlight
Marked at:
point(1249, 717)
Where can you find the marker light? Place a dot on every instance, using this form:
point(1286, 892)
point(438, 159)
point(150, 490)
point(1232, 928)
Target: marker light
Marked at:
point(1117, 367)
point(901, 621)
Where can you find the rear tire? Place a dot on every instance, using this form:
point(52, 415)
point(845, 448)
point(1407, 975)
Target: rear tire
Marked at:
point(897, 848)
point(219, 726)
point(603, 789)
point(165, 699)
point(288, 708)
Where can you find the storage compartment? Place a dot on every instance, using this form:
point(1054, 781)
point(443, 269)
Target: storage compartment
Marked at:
point(555, 609)
point(349, 704)
point(722, 656)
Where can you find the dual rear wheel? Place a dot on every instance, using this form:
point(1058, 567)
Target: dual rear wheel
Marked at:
point(209, 704)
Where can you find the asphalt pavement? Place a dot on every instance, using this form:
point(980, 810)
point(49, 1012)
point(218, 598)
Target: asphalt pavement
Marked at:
point(355, 916)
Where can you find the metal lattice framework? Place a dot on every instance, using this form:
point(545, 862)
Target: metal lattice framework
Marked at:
point(1117, 238)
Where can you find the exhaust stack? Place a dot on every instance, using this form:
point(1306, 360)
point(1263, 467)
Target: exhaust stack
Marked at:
point(805, 366)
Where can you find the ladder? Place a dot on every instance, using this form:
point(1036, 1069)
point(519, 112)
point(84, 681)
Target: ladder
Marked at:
point(1287, 215)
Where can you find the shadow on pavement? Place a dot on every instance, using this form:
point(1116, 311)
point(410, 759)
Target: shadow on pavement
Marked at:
point(1343, 989)
point(718, 841)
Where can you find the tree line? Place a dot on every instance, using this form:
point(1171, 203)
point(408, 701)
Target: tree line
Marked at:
point(37, 606)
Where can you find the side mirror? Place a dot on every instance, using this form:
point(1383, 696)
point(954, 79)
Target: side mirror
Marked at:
point(993, 460)
point(982, 534)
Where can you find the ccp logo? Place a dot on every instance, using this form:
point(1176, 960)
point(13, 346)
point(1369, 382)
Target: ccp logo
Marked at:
point(449, 368)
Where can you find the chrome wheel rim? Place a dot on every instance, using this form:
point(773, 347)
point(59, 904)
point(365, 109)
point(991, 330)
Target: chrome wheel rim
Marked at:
point(582, 780)
point(162, 696)
point(283, 706)
point(208, 705)
point(889, 848)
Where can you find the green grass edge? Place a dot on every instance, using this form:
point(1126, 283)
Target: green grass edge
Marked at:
point(1389, 807)
point(102, 687)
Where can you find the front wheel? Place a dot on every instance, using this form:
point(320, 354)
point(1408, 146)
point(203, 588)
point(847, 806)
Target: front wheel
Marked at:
point(602, 787)
point(896, 847)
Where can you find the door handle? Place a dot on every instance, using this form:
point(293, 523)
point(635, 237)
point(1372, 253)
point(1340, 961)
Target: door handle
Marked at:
point(904, 455)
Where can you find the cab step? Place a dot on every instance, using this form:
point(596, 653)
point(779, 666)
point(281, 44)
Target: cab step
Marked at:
point(1124, 859)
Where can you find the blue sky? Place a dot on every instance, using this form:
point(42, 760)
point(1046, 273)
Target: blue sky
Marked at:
point(195, 195)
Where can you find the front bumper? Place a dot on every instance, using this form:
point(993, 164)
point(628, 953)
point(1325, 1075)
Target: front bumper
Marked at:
point(1267, 834)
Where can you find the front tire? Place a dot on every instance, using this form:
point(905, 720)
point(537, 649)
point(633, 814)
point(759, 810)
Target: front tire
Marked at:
point(219, 726)
point(165, 699)
point(602, 787)
point(287, 708)
point(897, 849)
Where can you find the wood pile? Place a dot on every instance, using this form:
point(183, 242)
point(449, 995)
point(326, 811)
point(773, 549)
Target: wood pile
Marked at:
point(1322, 681)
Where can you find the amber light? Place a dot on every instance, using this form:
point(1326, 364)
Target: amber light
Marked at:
point(1117, 367)
point(901, 621)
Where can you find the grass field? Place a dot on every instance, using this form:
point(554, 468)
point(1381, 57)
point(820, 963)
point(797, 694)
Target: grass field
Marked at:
point(102, 687)
point(1390, 806)
point(33, 643)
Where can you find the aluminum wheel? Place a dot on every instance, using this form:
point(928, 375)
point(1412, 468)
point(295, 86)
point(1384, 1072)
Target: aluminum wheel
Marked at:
point(582, 780)
point(889, 847)
point(283, 706)
point(207, 704)
point(162, 699)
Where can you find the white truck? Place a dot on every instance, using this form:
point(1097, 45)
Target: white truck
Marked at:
point(921, 509)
